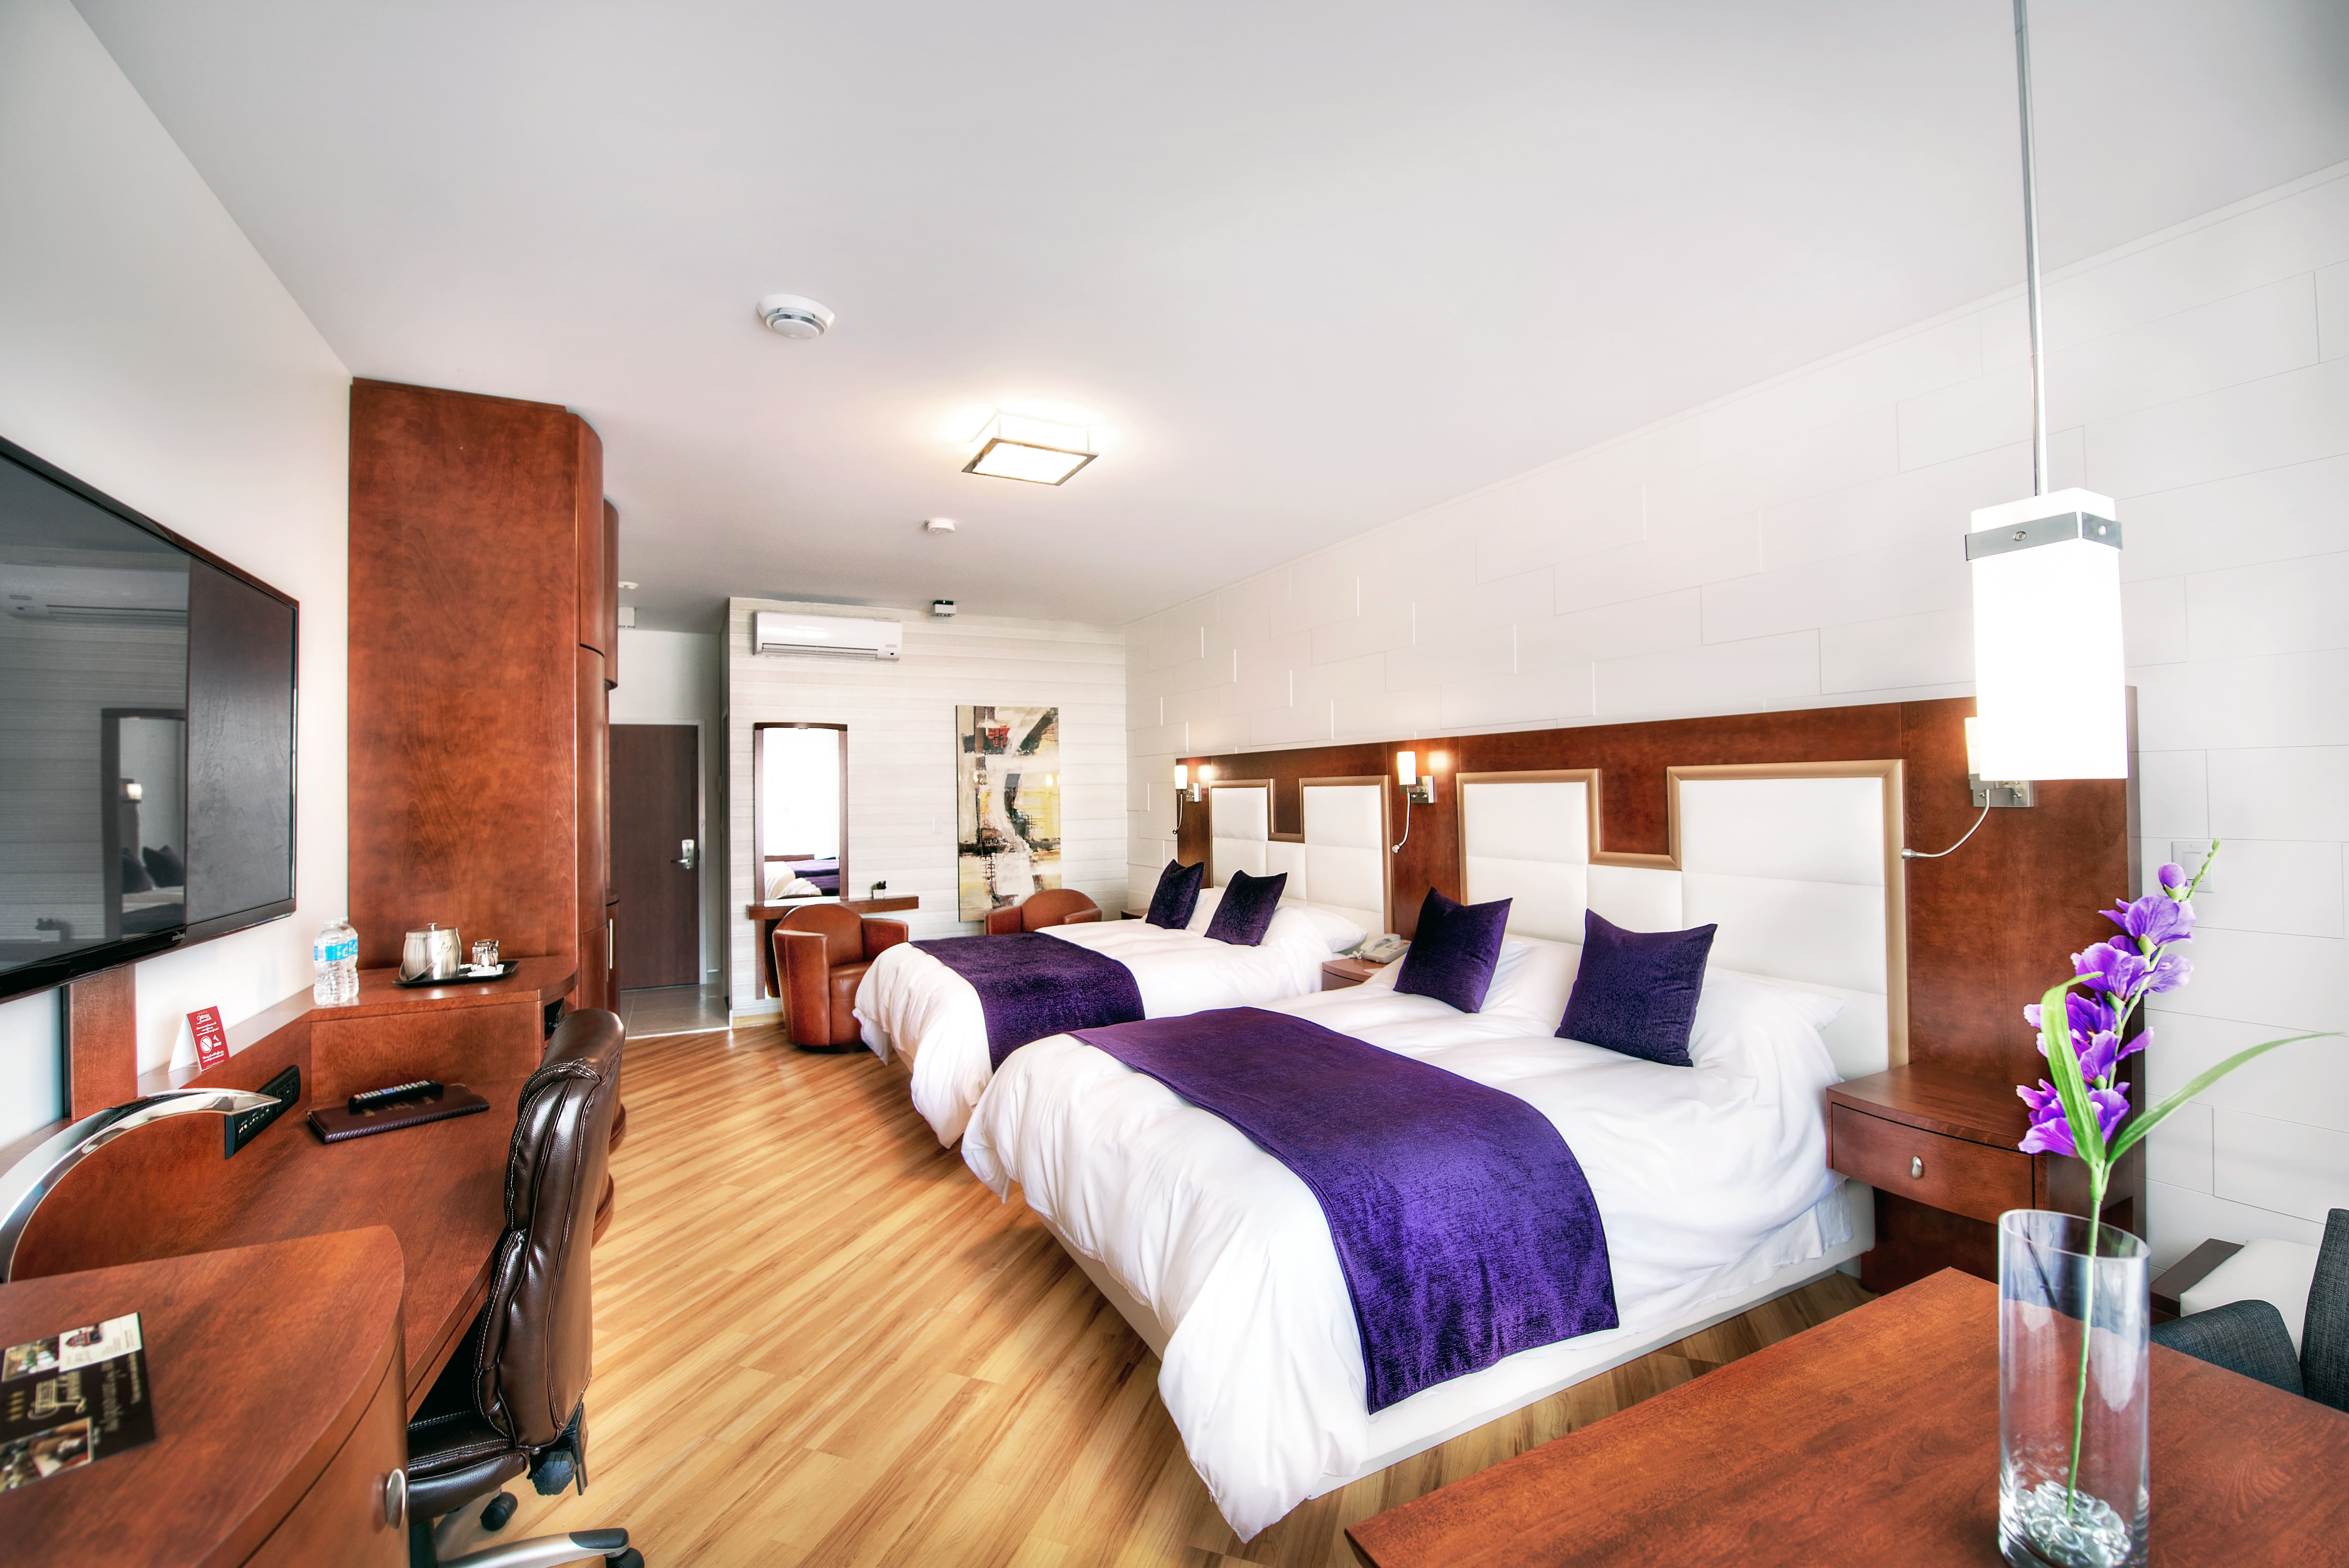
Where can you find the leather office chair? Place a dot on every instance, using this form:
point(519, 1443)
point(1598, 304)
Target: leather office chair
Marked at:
point(822, 951)
point(2251, 1336)
point(512, 1399)
point(1052, 907)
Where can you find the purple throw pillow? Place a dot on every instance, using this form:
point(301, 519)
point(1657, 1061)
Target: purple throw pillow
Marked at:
point(1637, 991)
point(1453, 951)
point(1246, 913)
point(1177, 895)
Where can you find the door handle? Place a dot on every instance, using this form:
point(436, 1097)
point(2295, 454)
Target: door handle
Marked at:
point(686, 859)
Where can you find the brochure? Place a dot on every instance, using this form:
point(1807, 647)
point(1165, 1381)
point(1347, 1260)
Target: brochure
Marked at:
point(71, 1399)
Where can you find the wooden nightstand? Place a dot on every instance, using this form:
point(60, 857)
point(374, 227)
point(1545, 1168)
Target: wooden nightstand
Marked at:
point(1338, 973)
point(1938, 1146)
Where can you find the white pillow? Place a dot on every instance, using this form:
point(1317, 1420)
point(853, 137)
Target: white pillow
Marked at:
point(1340, 932)
point(1748, 1028)
point(1204, 911)
point(794, 887)
point(1532, 979)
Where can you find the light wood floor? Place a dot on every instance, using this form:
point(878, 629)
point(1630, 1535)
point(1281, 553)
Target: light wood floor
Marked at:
point(819, 1340)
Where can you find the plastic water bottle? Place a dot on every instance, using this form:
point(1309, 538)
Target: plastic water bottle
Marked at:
point(336, 957)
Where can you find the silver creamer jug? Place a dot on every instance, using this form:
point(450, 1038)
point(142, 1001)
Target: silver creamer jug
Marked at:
point(434, 951)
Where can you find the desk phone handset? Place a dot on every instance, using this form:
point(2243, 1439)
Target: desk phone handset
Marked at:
point(376, 1099)
point(1383, 949)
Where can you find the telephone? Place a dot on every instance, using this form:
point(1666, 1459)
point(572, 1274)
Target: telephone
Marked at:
point(1383, 949)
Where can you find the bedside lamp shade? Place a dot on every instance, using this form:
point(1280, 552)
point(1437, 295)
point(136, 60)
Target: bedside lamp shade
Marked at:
point(2050, 681)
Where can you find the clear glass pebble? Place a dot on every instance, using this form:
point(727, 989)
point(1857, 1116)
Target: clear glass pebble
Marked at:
point(2093, 1535)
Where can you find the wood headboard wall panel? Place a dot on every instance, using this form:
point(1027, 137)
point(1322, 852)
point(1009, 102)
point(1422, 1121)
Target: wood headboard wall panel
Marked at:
point(1989, 927)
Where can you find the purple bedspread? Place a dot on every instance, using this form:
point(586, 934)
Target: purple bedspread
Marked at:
point(1030, 985)
point(1462, 1222)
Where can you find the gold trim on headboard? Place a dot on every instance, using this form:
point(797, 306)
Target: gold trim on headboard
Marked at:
point(1386, 831)
point(1896, 900)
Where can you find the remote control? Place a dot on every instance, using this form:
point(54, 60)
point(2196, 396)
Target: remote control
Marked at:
point(375, 1099)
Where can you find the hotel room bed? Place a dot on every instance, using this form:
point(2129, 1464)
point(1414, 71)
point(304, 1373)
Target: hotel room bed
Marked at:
point(1711, 1182)
point(912, 1006)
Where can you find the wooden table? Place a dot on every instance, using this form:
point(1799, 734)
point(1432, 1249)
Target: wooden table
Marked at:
point(276, 1374)
point(1874, 1439)
point(165, 1192)
point(767, 916)
point(1338, 973)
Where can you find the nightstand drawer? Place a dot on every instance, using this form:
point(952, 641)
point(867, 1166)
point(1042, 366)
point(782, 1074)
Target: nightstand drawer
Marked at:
point(1951, 1173)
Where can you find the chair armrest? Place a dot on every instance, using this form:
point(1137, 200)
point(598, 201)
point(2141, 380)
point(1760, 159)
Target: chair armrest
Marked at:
point(803, 957)
point(881, 934)
point(1081, 917)
point(1003, 922)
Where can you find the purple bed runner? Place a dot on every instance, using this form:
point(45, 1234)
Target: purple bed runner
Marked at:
point(1464, 1224)
point(1030, 985)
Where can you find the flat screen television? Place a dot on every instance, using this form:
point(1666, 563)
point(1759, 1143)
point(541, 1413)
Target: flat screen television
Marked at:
point(146, 735)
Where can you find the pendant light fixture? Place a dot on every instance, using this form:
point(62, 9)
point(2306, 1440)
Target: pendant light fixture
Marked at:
point(2050, 682)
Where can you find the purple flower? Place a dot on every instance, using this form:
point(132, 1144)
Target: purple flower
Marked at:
point(2111, 968)
point(2169, 972)
point(2051, 1133)
point(2099, 1055)
point(2173, 878)
point(2154, 919)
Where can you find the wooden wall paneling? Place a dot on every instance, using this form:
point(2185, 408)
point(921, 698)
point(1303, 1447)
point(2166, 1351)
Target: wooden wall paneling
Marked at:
point(464, 568)
point(457, 1045)
point(593, 737)
point(611, 646)
point(1988, 928)
point(101, 1027)
point(594, 575)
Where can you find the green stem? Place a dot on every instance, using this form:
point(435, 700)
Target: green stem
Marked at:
point(2097, 1177)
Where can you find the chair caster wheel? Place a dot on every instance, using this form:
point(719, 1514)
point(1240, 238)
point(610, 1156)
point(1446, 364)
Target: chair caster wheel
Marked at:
point(500, 1509)
point(631, 1558)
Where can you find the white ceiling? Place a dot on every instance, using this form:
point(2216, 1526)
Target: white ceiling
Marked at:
point(1313, 265)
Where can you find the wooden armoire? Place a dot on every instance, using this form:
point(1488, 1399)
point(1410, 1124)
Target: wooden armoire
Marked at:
point(484, 639)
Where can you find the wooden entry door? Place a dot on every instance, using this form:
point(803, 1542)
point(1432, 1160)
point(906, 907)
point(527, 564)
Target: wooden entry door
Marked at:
point(656, 832)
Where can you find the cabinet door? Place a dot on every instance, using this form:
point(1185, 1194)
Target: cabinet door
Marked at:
point(611, 595)
point(592, 713)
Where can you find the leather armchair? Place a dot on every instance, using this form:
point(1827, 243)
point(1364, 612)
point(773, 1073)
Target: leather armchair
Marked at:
point(822, 951)
point(1052, 907)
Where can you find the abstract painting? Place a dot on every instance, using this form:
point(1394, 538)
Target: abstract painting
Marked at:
point(1007, 805)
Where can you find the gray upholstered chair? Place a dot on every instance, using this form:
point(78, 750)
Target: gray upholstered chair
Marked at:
point(2251, 1336)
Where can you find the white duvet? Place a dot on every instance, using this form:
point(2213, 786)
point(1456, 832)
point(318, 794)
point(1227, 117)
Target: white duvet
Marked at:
point(1708, 1179)
point(911, 1005)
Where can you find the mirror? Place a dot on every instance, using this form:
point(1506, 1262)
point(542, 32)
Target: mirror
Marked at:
point(143, 774)
point(800, 812)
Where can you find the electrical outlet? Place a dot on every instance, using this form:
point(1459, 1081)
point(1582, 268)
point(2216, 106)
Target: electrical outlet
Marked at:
point(286, 1087)
point(2191, 853)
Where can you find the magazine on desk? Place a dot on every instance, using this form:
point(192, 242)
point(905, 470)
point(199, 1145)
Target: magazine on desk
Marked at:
point(71, 1399)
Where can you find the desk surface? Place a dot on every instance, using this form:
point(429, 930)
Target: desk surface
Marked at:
point(165, 1191)
point(1873, 1439)
point(262, 1360)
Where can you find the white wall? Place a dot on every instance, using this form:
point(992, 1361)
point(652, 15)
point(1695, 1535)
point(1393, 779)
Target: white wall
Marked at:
point(145, 348)
point(901, 751)
point(679, 678)
point(1798, 545)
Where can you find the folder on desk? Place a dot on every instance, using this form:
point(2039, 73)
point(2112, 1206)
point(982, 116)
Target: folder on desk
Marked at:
point(333, 1124)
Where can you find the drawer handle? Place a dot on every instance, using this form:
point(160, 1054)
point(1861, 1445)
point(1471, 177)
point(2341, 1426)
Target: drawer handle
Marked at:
point(1915, 1165)
point(395, 1500)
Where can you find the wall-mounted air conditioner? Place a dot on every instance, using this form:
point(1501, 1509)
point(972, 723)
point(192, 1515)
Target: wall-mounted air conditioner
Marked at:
point(836, 637)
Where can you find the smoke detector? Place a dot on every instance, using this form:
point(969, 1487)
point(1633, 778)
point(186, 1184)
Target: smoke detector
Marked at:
point(937, 525)
point(942, 608)
point(795, 315)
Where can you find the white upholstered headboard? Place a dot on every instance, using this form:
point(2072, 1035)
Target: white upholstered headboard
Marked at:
point(1798, 863)
point(1340, 862)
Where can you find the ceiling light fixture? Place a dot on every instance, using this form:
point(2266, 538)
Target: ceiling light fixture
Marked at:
point(795, 315)
point(632, 587)
point(938, 524)
point(2051, 683)
point(1014, 446)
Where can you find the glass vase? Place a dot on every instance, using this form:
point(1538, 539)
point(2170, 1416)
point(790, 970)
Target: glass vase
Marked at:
point(2071, 1392)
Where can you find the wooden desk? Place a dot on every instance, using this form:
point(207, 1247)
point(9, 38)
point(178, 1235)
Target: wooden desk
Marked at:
point(165, 1192)
point(1873, 1439)
point(276, 1374)
point(768, 916)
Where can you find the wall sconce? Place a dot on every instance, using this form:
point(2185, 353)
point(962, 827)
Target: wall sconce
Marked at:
point(1416, 786)
point(1989, 793)
point(1184, 788)
point(36, 1175)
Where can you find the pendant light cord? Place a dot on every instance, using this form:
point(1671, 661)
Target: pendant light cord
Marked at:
point(1396, 848)
point(2031, 252)
point(1952, 849)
